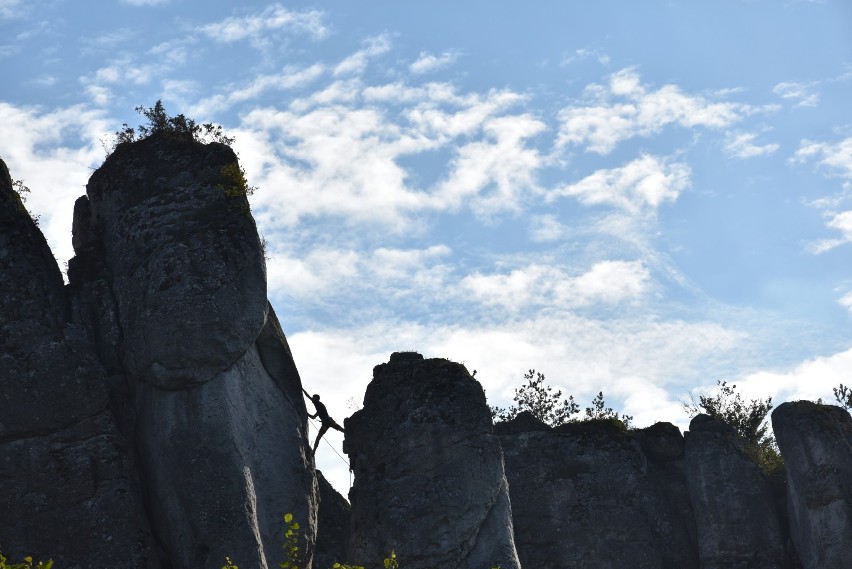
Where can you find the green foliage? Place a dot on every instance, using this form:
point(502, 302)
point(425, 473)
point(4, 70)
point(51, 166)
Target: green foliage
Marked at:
point(539, 399)
point(22, 192)
point(747, 418)
point(27, 564)
point(391, 562)
point(291, 544)
point(843, 395)
point(599, 410)
point(544, 403)
point(236, 185)
point(159, 122)
point(229, 564)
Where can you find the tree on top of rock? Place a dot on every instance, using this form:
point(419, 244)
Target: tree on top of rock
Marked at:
point(159, 122)
point(747, 418)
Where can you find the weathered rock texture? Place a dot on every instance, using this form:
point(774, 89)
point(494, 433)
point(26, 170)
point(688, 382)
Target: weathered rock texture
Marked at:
point(170, 276)
point(429, 481)
point(586, 495)
point(816, 442)
point(735, 515)
point(332, 521)
point(67, 485)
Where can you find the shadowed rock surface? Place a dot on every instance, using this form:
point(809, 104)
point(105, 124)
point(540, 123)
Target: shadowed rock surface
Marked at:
point(816, 442)
point(585, 495)
point(170, 277)
point(429, 481)
point(332, 521)
point(68, 488)
point(735, 515)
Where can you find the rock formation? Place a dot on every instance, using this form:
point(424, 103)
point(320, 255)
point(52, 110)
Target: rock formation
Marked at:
point(68, 485)
point(585, 495)
point(816, 442)
point(429, 481)
point(735, 515)
point(170, 273)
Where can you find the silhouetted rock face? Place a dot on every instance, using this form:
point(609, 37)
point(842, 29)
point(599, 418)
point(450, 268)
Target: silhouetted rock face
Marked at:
point(816, 442)
point(332, 521)
point(188, 272)
point(429, 481)
point(170, 276)
point(737, 521)
point(68, 489)
point(584, 495)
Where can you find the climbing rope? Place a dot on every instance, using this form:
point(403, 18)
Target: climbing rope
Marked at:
point(346, 462)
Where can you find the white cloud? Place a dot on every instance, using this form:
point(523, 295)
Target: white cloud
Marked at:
point(584, 54)
point(811, 379)
point(607, 282)
point(805, 94)
point(841, 222)
point(273, 18)
point(846, 301)
point(427, 62)
point(741, 145)
point(544, 228)
point(288, 78)
point(494, 173)
point(837, 156)
point(54, 153)
point(602, 124)
point(10, 8)
point(358, 61)
point(639, 186)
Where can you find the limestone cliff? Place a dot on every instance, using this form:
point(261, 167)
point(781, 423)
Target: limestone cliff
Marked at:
point(68, 488)
point(816, 442)
point(170, 276)
point(586, 495)
point(429, 480)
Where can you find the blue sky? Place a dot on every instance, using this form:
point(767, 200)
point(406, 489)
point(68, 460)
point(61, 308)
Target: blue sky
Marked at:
point(634, 197)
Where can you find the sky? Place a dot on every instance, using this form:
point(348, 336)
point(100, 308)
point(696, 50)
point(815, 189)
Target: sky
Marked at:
point(639, 198)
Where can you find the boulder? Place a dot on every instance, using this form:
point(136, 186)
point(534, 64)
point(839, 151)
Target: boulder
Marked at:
point(735, 515)
point(816, 443)
point(69, 490)
point(169, 274)
point(585, 495)
point(429, 481)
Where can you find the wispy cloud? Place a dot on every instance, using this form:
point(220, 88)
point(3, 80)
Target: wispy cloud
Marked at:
point(584, 54)
point(805, 94)
point(357, 62)
point(639, 186)
point(272, 19)
point(626, 108)
point(741, 145)
point(10, 8)
point(428, 62)
point(837, 157)
point(607, 282)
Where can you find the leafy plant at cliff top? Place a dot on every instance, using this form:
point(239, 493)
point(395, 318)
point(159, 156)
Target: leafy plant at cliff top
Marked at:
point(747, 418)
point(544, 403)
point(27, 564)
point(843, 395)
point(159, 122)
point(22, 192)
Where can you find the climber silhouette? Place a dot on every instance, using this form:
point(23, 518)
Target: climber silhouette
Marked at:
point(322, 413)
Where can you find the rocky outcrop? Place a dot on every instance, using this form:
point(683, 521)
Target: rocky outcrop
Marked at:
point(816, 442)
point(332, 521)
point(429, 481)
point(68, 485)
point(590, 495)
point(170, 277)
point(735, 515)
